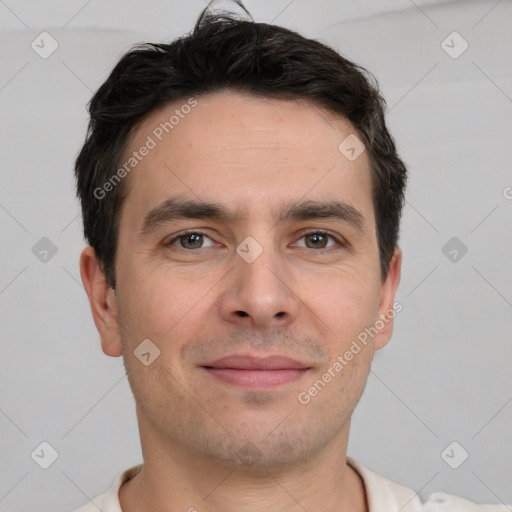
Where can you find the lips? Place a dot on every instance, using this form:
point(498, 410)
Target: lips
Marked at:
point(256, 373)
point(238, 362)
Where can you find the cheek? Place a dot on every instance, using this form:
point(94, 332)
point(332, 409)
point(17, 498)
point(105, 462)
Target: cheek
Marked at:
point(166, 307)
point(167, 314)
point(345, 307)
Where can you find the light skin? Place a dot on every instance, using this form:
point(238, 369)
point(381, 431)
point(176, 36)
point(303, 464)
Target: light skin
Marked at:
point(210, 444)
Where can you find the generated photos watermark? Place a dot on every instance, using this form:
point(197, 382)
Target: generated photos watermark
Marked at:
point(341, 361)
point(151, 142)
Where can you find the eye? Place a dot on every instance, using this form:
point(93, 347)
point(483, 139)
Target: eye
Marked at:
point(318, 240)
point(193, 240)
point(190, 240)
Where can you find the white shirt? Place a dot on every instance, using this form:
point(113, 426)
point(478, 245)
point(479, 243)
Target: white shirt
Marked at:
point(383, 496)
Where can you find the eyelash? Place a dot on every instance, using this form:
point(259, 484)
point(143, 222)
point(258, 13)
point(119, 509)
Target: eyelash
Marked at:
point(314, 231)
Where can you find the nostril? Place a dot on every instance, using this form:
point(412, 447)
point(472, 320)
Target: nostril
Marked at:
point(280, 314)
point(242, 313)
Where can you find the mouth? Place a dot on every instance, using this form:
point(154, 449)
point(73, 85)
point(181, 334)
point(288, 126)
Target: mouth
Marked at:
point(256, 373)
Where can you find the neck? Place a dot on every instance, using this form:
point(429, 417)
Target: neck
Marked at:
point(173, 479)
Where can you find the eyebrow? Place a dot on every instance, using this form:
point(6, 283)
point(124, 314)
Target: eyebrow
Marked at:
point(177, 209)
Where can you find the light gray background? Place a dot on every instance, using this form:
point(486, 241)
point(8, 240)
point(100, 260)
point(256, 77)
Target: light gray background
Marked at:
point(445, 376)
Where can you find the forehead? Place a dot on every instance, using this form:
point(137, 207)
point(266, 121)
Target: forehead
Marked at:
point(249, 152)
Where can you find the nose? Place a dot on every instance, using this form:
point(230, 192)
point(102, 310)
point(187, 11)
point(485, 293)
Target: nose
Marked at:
point(259, 294)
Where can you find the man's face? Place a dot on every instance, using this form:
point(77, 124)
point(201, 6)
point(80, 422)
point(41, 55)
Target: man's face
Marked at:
point(260, 284)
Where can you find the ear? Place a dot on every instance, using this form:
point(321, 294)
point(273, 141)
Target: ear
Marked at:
point(387, 309)
point(103, 302)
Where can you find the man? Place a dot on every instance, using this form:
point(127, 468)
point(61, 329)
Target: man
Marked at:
point(242, 196)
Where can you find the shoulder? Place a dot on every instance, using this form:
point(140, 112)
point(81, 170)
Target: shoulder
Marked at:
point(109, 502)
point(443, 502)
point(385, 495)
